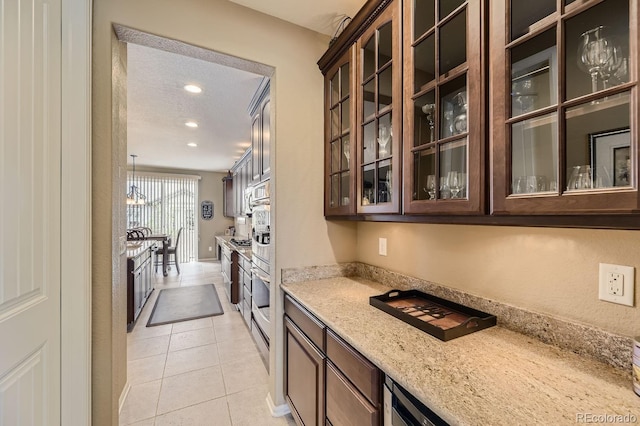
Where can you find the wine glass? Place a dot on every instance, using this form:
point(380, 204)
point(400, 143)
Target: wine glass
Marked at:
point(431, 186)
point(346, 151)
point(595, 51)
point(445, 190)
point(384, 137)
point(453, 179)
point(429, 110)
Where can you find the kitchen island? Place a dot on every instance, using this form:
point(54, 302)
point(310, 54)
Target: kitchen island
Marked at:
point(494, 376)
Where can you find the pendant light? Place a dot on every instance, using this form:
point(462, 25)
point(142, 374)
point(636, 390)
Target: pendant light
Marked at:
point(134, 196)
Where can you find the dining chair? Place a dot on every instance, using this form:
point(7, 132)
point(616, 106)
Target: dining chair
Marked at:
point(170, 251)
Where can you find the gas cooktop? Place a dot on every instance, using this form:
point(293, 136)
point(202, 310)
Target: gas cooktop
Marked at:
point(241, 243)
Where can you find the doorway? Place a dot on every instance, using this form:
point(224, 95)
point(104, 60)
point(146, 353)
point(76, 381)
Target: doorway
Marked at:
point(197, 339)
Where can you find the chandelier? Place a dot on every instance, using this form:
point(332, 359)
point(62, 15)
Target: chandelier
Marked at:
point(134, 196)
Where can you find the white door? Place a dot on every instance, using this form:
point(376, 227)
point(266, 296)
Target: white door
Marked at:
point(30, 156)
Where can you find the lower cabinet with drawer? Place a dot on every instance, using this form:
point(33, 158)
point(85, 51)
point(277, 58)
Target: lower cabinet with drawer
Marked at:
point(326, 380)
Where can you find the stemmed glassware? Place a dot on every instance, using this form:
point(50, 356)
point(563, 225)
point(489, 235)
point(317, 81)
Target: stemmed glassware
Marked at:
point(429, 110)
point(431, 186)
point(599, 55)
point(384, 137)
point(456, 182)
point(346, 151)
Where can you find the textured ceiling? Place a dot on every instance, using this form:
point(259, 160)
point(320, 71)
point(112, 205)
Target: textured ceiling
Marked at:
point(158, 106)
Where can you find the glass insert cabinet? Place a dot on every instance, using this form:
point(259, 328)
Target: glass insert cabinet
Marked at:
point(484, 109)
point(339, 150)
point(564, 80)
point(444, 132)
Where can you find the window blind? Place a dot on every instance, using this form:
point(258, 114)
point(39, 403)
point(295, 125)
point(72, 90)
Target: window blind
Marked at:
point(171, 204)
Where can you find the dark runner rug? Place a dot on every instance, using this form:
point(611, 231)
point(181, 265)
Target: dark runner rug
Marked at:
point(184, 304)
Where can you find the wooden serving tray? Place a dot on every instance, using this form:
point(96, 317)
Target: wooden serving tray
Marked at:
point(439, 317)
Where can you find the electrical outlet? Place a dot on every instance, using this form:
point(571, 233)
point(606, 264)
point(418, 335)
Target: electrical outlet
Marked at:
point(210, 248)
point(382, 246)
point(617, 284)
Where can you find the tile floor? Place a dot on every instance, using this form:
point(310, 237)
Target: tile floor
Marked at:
point(203, 372)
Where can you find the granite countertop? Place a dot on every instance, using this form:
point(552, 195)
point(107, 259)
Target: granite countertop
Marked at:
point(494, 376)
point(136, 248)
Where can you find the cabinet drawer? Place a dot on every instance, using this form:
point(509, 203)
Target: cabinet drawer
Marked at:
point(247, 294)
point(247, 279)
point(246, 312)
point(244, 263)
point(306, 322)
point(360, 371)
point(345, 404)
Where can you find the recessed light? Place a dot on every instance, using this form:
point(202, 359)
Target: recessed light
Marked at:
point(192, 144)
point(192, 88)
point(192, 124)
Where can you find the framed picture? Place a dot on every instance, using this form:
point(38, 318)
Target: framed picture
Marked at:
point(206, 210)
point(611, 158)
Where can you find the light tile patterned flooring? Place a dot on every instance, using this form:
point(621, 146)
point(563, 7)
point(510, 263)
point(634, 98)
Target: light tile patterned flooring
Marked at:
point(203, 372)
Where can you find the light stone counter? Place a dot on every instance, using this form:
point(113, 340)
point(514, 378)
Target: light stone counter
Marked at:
point(491, 377)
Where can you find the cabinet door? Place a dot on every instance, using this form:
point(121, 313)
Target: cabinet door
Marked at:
point(227, 196)
point(137, 292)
point(379, 113)
point(345, 404)
point(265, 169)
point(340, 151)
point(256, 165)
point(303, 377)
point(564, 106)
point(444, 107)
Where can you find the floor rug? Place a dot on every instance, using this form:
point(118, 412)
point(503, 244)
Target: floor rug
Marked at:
point(184, 304)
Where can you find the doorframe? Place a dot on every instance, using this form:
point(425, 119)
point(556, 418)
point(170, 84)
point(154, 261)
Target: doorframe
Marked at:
point(75, 240)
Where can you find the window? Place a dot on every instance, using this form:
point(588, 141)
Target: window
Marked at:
point(171, 204)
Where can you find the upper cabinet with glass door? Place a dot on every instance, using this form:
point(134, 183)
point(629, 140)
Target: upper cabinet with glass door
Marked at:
point(340, 183)
point(564, 106)
point(379, 114)
point(444, 110)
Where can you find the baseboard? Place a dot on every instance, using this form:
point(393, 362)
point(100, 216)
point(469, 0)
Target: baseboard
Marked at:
point(277, 411)
point(123, 396)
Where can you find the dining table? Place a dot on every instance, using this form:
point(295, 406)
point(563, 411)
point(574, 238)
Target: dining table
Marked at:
point(166, 242)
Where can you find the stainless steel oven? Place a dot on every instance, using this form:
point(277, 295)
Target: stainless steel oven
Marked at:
point(261, 268)
point(403, 409)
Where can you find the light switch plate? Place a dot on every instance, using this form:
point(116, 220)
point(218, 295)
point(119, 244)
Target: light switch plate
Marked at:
point(617, 284)
point(382, 246)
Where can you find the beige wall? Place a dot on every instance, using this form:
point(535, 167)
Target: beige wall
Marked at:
point(211, 189)
point(109, 154)
point(546, 270)
point(302, 236)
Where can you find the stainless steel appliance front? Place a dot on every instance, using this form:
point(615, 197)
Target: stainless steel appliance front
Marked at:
point(403, 409)
point(261, 269)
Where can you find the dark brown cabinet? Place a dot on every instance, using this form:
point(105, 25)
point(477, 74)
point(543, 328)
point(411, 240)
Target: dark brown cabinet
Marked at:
point(139, 281)
point(444, 110)
point(564, 107)
point(228, 196)
point(241, 180)
point(340, 147)
point(485, 112)
point(260, 111)
point(379, 113)
point(326, 380)
point(304, 377)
